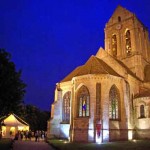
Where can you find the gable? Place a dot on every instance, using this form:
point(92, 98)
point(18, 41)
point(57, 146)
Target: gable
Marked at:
point(94, 65)
point(13, 120)
point(121, 12)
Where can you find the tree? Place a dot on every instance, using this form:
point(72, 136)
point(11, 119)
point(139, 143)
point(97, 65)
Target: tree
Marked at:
point(12, 88)
point(36, 118)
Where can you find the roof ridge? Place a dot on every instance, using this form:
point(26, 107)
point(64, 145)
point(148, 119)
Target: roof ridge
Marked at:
point(20, 119)
point(92, 58)
point(93, 65)
point(99, 61)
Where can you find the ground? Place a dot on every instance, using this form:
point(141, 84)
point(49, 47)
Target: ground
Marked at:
point(122, 145)
point(31, 145)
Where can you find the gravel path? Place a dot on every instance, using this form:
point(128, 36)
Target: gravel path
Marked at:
point(31, 145)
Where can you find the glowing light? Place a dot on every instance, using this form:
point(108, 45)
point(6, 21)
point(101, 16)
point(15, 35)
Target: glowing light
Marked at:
point(130, 135)
point(65, 130)
point(91, 131)
point(105, 135)
point(23, 128)
point(66, 142)
point(99, 139)
point(3, 130)
point(12, 131)
point(12, 125)
point(134, 141)
point(69, 139)
point(99, 132)
point(12, 121)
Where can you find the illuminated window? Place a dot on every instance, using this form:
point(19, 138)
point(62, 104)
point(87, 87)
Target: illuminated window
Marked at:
point(83, 102)
point(128, 42)
point(142, 112)
point(66, 107)
point(114, 100)
point(114, 45)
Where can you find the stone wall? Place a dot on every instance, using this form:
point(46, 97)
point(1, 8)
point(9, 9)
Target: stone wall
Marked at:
point(80, 129)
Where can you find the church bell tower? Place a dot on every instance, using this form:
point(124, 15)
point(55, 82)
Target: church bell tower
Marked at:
point(127, 40)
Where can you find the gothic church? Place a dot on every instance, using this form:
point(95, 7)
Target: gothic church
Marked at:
point(108, 98)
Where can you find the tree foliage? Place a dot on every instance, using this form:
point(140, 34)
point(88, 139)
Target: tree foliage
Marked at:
point(12, 88)
point(36, 118)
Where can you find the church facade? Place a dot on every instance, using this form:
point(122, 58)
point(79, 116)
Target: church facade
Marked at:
point(107, 98)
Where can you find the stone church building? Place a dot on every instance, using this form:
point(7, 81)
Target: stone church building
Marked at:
point(108, 98)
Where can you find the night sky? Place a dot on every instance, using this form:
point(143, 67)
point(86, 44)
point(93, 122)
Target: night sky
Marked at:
point(49, 38)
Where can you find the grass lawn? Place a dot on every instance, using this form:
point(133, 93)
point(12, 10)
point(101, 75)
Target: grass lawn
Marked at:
point(124, 145)
point(5, 144)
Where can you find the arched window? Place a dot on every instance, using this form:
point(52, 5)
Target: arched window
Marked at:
point(83, 99)
point(66, 107)
point(142, 112)
point(119, 19)
point(114, 100)
point(114, 45)
point(128, 42)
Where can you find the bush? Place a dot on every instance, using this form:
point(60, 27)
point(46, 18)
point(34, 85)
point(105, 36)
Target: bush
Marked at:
point(6, 144)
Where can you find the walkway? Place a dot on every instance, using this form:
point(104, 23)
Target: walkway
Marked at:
point(31, 145)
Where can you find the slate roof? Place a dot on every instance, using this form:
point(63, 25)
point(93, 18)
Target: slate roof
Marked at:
point(143, 93)
point(127, 69)
point(94, 65)
point(147, 73)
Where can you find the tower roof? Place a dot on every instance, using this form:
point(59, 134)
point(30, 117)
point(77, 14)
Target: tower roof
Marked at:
point(119, 12)
point(124, 14)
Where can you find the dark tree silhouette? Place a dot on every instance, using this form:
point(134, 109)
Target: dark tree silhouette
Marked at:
point(12, 88)
point(36, 118)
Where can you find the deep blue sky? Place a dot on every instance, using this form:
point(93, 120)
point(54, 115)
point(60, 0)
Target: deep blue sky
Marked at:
point(49, 38)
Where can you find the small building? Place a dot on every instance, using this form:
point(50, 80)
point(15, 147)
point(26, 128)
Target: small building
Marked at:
point(11, 124)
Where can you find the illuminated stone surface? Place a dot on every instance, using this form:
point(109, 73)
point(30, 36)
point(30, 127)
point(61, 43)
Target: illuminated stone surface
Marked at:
point(123, 64)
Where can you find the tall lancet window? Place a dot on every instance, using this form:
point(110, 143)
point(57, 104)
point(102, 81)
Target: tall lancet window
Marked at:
point(114, 45)
point(83, 99)
point(128, 42)
point(114, 103)
point(66, 107)
point(142, 112)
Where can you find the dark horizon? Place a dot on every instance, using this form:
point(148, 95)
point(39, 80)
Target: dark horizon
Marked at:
point(48, 39)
